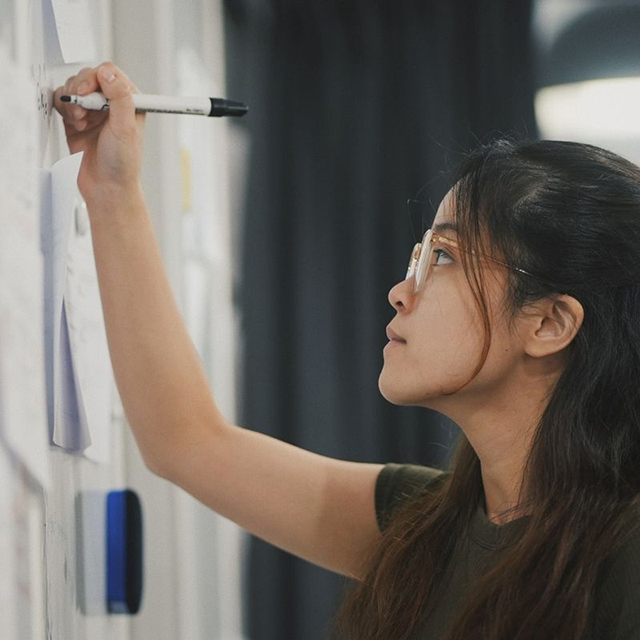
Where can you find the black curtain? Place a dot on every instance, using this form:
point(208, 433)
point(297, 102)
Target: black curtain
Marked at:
point(355, 106)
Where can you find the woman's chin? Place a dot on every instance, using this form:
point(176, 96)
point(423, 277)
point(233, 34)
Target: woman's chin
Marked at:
point(395, 392)
point(392, 392)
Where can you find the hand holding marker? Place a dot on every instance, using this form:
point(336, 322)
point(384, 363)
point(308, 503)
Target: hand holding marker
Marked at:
point(109, 131)
point(164, 104)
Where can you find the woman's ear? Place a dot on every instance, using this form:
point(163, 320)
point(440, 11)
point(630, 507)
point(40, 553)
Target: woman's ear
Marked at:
point(552, 325)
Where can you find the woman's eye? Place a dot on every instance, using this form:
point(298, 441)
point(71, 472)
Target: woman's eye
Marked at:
point(441, 253)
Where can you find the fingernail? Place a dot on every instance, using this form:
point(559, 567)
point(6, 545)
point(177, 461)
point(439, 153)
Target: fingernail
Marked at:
point(108, 75)
point(83, 87)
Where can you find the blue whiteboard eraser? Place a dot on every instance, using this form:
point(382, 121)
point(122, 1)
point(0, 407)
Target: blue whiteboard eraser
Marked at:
point(124, 552)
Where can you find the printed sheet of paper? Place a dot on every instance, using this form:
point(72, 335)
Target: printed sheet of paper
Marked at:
point(82, 391)
point(60, 197)
point(23, 417)
point(88, 338)
point(75, 31)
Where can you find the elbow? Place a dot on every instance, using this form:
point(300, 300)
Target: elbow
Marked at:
point(154, 465)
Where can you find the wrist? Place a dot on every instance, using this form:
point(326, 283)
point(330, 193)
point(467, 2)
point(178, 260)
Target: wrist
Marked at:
point(109, 200)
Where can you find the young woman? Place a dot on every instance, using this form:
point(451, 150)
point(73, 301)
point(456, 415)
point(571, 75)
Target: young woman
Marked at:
point(519, 319)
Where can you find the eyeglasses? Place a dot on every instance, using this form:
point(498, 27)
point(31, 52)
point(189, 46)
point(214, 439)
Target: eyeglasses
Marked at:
point(420, 262)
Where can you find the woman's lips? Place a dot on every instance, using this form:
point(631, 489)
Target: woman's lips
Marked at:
point(394, 337)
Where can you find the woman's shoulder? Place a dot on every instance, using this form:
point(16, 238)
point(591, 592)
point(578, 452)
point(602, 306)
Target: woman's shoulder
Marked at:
point(617, 604)
point(397, 483)
point(625, 555)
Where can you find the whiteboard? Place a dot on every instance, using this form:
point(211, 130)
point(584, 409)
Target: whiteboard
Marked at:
point(51, 554)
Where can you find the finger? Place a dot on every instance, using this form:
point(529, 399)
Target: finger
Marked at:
point(80, 125)
point(94, 118)
point(71, 114)
point(64, 108)
point(117, 88)
point(61, 107)
point(86, 81)
point(119, 73)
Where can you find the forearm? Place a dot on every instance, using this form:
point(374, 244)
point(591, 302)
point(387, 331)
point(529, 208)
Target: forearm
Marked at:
point(163, 387)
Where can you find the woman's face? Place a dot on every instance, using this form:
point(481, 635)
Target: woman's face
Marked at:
point(443, 332)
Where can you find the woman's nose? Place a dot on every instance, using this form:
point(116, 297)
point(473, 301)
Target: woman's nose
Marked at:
point(401, 295)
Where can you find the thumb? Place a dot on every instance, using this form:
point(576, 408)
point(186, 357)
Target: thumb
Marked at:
point(115, 86)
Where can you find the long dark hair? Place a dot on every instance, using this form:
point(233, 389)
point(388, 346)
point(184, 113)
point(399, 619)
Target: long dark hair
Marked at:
point(569, 214)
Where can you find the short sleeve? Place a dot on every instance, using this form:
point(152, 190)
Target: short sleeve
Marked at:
point(617, 602)
point(397, 483)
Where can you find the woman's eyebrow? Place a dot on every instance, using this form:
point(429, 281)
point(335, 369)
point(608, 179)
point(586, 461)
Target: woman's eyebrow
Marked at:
point(445, 226)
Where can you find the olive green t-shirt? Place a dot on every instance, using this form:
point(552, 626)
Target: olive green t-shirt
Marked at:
point(617, 612)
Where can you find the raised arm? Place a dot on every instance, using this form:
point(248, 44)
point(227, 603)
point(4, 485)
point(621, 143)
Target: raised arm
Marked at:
point(316, 507)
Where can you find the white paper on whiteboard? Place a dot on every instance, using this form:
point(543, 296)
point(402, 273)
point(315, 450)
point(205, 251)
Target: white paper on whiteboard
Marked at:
point(70, 425)
point(75, 32)
point(67, 429)
point(81, 393)
point(88, 338)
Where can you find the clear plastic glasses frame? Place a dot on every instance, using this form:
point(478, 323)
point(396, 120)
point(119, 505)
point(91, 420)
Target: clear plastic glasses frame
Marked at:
point(421, 261)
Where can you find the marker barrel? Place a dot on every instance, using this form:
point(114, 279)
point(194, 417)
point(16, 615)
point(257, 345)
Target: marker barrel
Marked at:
point(166, 104)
